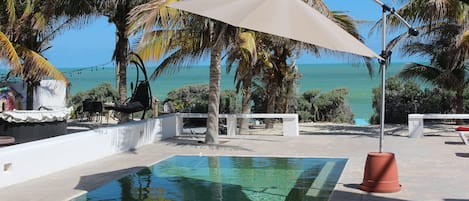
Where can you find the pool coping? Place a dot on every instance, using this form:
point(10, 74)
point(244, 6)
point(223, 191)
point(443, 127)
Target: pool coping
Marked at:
point(72, 198)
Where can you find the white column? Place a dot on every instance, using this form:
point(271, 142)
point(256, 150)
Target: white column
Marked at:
point(290, 126)
point(231, 124)
point(415, 122)
point(179, 124)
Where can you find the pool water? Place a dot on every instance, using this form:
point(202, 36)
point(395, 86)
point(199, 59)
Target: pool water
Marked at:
point(227, 178)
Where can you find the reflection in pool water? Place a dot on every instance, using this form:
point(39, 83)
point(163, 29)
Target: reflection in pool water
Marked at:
point(203, 178)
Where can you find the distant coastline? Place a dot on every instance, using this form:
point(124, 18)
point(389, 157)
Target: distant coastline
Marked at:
point(324, 77)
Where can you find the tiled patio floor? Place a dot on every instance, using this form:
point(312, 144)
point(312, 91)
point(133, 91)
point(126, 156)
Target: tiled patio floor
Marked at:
point(431, 168)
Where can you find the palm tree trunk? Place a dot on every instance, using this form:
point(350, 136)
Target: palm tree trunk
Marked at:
point(287, 97)
point(211, 136)
point(121, 56)
point(214, 95)
point(459, 105)
point(246, 104)
point(271, 98)
point(29, 96)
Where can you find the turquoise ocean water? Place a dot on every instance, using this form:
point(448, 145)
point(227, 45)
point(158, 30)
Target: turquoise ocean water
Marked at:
point(315, 76)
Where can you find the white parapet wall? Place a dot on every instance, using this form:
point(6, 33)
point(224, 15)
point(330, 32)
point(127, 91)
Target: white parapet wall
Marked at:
point(35, 159)
point(290, 121)
point(26, 161)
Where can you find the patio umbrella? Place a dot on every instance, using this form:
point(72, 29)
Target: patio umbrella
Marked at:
point(291, 19)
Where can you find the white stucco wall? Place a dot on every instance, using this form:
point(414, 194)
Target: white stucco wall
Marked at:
point(51, 94)
point(26, 161)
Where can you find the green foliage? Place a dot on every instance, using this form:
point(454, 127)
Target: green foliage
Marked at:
point(314, 106)
point(103, 92)
point(310, 106)
point(406, 97)
point(304, 116)
point(310, 94)
point(332, 107)
point(229, 102)
point(194, 99)
point(401, 99)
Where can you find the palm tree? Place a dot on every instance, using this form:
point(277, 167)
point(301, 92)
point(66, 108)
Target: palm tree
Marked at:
point(244, 56)
point(465, 37)
point(445, 70)
point(273, 56)
point(117, 12)
point(282, 73)
point(26, 31)
point(186, 38)
point(444, 40)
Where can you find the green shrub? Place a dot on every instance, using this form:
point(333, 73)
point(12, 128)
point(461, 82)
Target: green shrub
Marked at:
point(314, 106)
point(406, 97)
point(194, 99)
point(304, 116)
point(311, 105)
point(229, 102)
point(332, 107)
point(103, 92)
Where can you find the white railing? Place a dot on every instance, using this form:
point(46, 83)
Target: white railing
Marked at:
point(290, 121)
point(415, 121)
point(22, 162)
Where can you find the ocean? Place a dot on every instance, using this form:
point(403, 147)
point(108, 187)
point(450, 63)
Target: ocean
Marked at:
point(324, 77)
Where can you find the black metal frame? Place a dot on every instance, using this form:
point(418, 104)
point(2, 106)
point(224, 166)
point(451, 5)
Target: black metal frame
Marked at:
point(141, 99)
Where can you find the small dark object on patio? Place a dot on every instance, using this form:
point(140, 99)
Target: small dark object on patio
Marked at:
point(92, 109)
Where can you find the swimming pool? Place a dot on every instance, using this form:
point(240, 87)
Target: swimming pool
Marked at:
point(227, 178)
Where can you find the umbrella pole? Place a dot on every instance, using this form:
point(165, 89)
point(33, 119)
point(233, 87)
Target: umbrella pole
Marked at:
point(381, 168)
point(381, 174)
point(384, 55)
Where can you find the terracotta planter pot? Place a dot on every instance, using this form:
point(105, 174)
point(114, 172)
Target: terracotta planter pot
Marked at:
point(380, 173)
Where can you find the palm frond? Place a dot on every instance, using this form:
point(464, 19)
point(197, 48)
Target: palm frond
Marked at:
point(40, 22)
point(36, 67)
point(11, 10)
point(424, 12)
point(232, 59)
point(465, 38)
point(347, 23)
point(419, 71)
point(155, 45)
point(8, 53)
point(76, 8)
point(320, 6)
point(247, 47)
point(153, 14)
point(419, 49)
point(176, 62)
point(27, 9)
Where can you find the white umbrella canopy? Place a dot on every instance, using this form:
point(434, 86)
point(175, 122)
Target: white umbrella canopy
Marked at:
point(293, 19)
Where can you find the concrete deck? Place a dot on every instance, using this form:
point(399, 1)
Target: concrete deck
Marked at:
point(431, 168)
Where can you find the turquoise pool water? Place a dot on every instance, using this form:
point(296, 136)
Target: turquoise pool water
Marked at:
point(227, 178)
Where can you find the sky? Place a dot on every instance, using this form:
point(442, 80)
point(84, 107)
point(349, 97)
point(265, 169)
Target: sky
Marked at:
point(93, 44)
